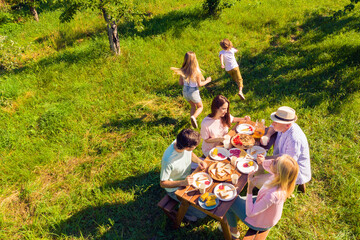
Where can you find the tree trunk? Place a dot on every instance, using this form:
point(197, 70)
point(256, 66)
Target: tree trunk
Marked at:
point(34, 13)
point(114, 38)
point(112, 34)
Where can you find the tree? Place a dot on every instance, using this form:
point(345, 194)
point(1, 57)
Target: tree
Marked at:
point(214, 7)
point(113, 12)
point(32, 4)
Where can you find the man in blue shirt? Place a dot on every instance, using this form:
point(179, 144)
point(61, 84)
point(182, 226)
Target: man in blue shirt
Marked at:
point(290, 140)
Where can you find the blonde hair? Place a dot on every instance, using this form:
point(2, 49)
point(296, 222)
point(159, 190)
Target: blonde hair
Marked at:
point(190, 68)
point(226, 44)
point(286, 170)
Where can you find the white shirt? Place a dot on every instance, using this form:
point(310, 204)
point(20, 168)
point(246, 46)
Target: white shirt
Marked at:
point(229, 59)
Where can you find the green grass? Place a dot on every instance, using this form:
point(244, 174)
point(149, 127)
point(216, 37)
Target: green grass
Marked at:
point(82, 132)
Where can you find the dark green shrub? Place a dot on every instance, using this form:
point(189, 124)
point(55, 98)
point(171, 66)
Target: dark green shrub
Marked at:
point(214, 7)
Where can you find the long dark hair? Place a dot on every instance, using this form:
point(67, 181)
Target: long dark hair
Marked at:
point(216, 104)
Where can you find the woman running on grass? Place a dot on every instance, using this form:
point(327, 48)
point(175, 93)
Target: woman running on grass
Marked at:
point(191, 78)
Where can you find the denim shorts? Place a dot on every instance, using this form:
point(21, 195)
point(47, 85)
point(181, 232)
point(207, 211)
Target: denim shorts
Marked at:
point(191, 94)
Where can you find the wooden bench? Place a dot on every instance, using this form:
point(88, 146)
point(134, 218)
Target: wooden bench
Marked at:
point(168, 205)
point(256, 235)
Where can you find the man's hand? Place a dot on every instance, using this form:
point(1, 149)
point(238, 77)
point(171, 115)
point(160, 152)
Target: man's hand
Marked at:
point(222, 66)
point(247, 118)
point(188, 180)
point(202, 165)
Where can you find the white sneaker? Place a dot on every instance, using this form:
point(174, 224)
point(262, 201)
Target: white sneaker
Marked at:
point(235, 235)
point(193, 122)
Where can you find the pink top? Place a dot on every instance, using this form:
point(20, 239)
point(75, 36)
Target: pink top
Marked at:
point(267, 209)
point(211, 128)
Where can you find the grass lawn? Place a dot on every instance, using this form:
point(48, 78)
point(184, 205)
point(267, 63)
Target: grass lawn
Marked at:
point(82, 132)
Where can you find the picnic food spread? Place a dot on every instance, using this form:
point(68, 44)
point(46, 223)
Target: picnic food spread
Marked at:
point(225, 191)
point(255, 150)
point(240, 140)
point(248, 164)
point(220, 171)
point(200, 178)
point(209, 199)
point(215, 153)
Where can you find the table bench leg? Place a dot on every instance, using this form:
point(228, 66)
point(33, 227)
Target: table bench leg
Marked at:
point(181, 213)
point(226, 229)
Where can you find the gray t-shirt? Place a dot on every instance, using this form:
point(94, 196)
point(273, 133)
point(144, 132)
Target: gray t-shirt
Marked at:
point(175, 166)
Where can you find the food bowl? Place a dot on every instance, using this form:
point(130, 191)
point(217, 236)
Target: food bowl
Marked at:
point(242, 141)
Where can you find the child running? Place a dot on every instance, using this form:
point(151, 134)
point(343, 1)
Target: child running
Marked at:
point(227, 57)
point(191, 78)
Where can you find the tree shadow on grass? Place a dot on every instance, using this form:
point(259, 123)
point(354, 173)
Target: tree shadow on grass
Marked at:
point(118, 124)
point(305, 70)
point(65, 38)
point(175, 21)
point(138, 218)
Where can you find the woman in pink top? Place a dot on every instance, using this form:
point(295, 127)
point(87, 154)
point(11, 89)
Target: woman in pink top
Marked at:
point(264, 211)
point(216, 125)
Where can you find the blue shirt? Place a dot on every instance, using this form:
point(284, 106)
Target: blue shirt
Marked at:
point(294, 143)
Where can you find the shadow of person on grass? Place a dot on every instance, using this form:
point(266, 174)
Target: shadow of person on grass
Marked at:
point(132, 213)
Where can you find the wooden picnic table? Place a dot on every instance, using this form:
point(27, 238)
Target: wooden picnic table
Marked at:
point(191, 198)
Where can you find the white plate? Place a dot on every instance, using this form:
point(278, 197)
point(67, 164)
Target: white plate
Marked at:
point(246, 170)
point(202, 204)
point(222, 151)
point(245, 128)
point(232, 152)
point(256, 150)
point(227, 186)
point(197, 175)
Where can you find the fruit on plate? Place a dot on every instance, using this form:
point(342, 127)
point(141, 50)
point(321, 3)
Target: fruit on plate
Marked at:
point(221, 187)
point(210, 203)
point(246, 165)
point(211, 197)
point(251, 163)
point(204, 196)
point(220, 155)
point(214, 152)
point(207, 182)
point(241, 140)
point(237, 140)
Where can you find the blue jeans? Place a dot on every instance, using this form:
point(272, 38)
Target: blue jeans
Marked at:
point(238, 209)
point(191, 94)
point(191, 210)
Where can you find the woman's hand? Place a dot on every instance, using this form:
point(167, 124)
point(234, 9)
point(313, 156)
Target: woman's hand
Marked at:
point(202, 165)
point(260, 158)
point(251, 185)
point(247, 118)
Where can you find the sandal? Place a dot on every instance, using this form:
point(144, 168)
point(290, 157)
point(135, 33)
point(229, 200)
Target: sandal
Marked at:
point(193, 122)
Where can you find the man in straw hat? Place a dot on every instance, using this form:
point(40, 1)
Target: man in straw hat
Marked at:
point(290, 140)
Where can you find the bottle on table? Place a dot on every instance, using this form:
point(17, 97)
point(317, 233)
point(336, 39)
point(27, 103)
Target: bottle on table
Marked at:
point(259, 129)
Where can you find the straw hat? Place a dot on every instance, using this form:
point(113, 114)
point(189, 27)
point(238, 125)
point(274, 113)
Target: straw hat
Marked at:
point(284, 115)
